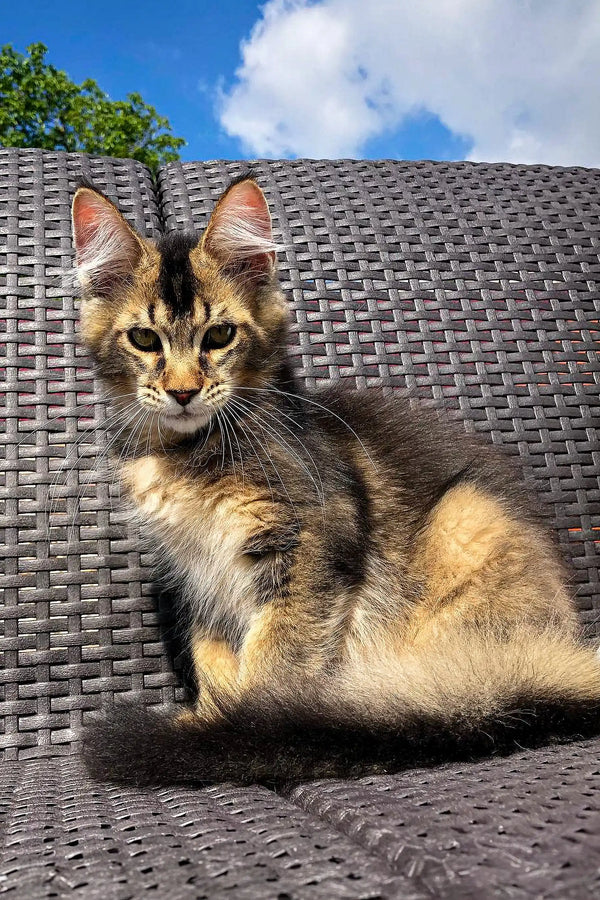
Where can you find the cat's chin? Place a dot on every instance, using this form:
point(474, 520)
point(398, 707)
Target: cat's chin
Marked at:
point(186, 424)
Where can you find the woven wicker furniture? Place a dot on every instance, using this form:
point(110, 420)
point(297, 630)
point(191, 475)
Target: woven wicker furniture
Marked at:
point(471, 284)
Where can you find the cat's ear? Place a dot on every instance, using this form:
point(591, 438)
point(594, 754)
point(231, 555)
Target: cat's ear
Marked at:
point(107, 248)
point(239, 235)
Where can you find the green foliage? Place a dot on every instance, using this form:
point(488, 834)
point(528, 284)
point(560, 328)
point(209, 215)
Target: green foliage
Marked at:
point(41, 107)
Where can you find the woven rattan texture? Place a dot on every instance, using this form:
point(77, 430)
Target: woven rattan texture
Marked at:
point(524, 827)
point(397, 273)
point(76, 626)
point(474, 284)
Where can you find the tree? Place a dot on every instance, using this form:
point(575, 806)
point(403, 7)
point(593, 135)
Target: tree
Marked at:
point(41, 107)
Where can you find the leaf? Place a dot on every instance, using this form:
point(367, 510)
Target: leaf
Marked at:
point(41, 107)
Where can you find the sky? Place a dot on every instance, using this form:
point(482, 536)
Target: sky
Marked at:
point(496, 80)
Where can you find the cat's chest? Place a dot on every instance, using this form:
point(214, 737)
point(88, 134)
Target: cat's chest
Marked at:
point(204, 527)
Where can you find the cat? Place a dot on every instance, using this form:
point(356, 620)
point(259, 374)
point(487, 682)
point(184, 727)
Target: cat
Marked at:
point(364, 586)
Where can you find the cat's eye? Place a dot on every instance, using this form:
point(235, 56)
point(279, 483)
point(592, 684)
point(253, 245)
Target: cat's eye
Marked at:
point(145, 339)
point(218, 336)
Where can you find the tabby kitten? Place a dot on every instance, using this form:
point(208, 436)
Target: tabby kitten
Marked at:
point(365, 587)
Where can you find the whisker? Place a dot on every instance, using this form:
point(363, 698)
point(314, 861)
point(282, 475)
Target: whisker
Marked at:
point(220, 424)
point(84, 484)
point(275, 469)
point(320, 406)
point(318, 488)
point(74, 412)
point(230, 444)
point(65, 470)
point(241, 457)
point(284, 445)
point(136, 426)
point(247, 431)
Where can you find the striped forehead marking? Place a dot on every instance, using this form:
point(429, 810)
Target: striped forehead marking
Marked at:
point(176, 279)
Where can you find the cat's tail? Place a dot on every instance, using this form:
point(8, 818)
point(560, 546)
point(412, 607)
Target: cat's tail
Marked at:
point(469, 695)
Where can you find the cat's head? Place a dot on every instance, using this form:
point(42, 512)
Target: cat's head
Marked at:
point(176, 326)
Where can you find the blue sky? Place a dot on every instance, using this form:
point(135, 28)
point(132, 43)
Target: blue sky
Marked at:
point(483, 79)
point(175, 54)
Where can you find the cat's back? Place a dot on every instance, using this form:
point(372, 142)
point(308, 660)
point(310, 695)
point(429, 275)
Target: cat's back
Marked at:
point(417, 448)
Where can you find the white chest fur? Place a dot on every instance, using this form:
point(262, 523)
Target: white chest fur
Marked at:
point(202, 528)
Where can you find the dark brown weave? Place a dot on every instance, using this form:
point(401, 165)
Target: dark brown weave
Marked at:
point(474, 284)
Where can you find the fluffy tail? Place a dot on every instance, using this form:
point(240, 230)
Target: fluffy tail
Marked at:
point(469, 695)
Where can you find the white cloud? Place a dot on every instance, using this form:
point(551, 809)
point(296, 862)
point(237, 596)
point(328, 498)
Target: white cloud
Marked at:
point(519, 78)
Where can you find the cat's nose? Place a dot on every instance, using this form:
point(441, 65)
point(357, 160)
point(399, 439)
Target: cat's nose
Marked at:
point(183, 397)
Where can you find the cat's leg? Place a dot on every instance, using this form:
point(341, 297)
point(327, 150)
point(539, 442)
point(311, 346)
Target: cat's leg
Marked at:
point(283, 646)
point(282, 643)
point(214, 660)
point(484, 565)
point(299, 630)
point(216, 668)
point(306, 570)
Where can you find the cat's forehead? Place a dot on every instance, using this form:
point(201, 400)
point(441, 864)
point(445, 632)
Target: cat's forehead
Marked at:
point(180, 290)
point(177, 282)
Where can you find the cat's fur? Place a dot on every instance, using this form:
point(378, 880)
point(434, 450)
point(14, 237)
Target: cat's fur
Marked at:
point(366, 587)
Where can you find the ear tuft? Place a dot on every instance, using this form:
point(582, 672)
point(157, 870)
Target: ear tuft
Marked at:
point(107, 248)
point(239, 235)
